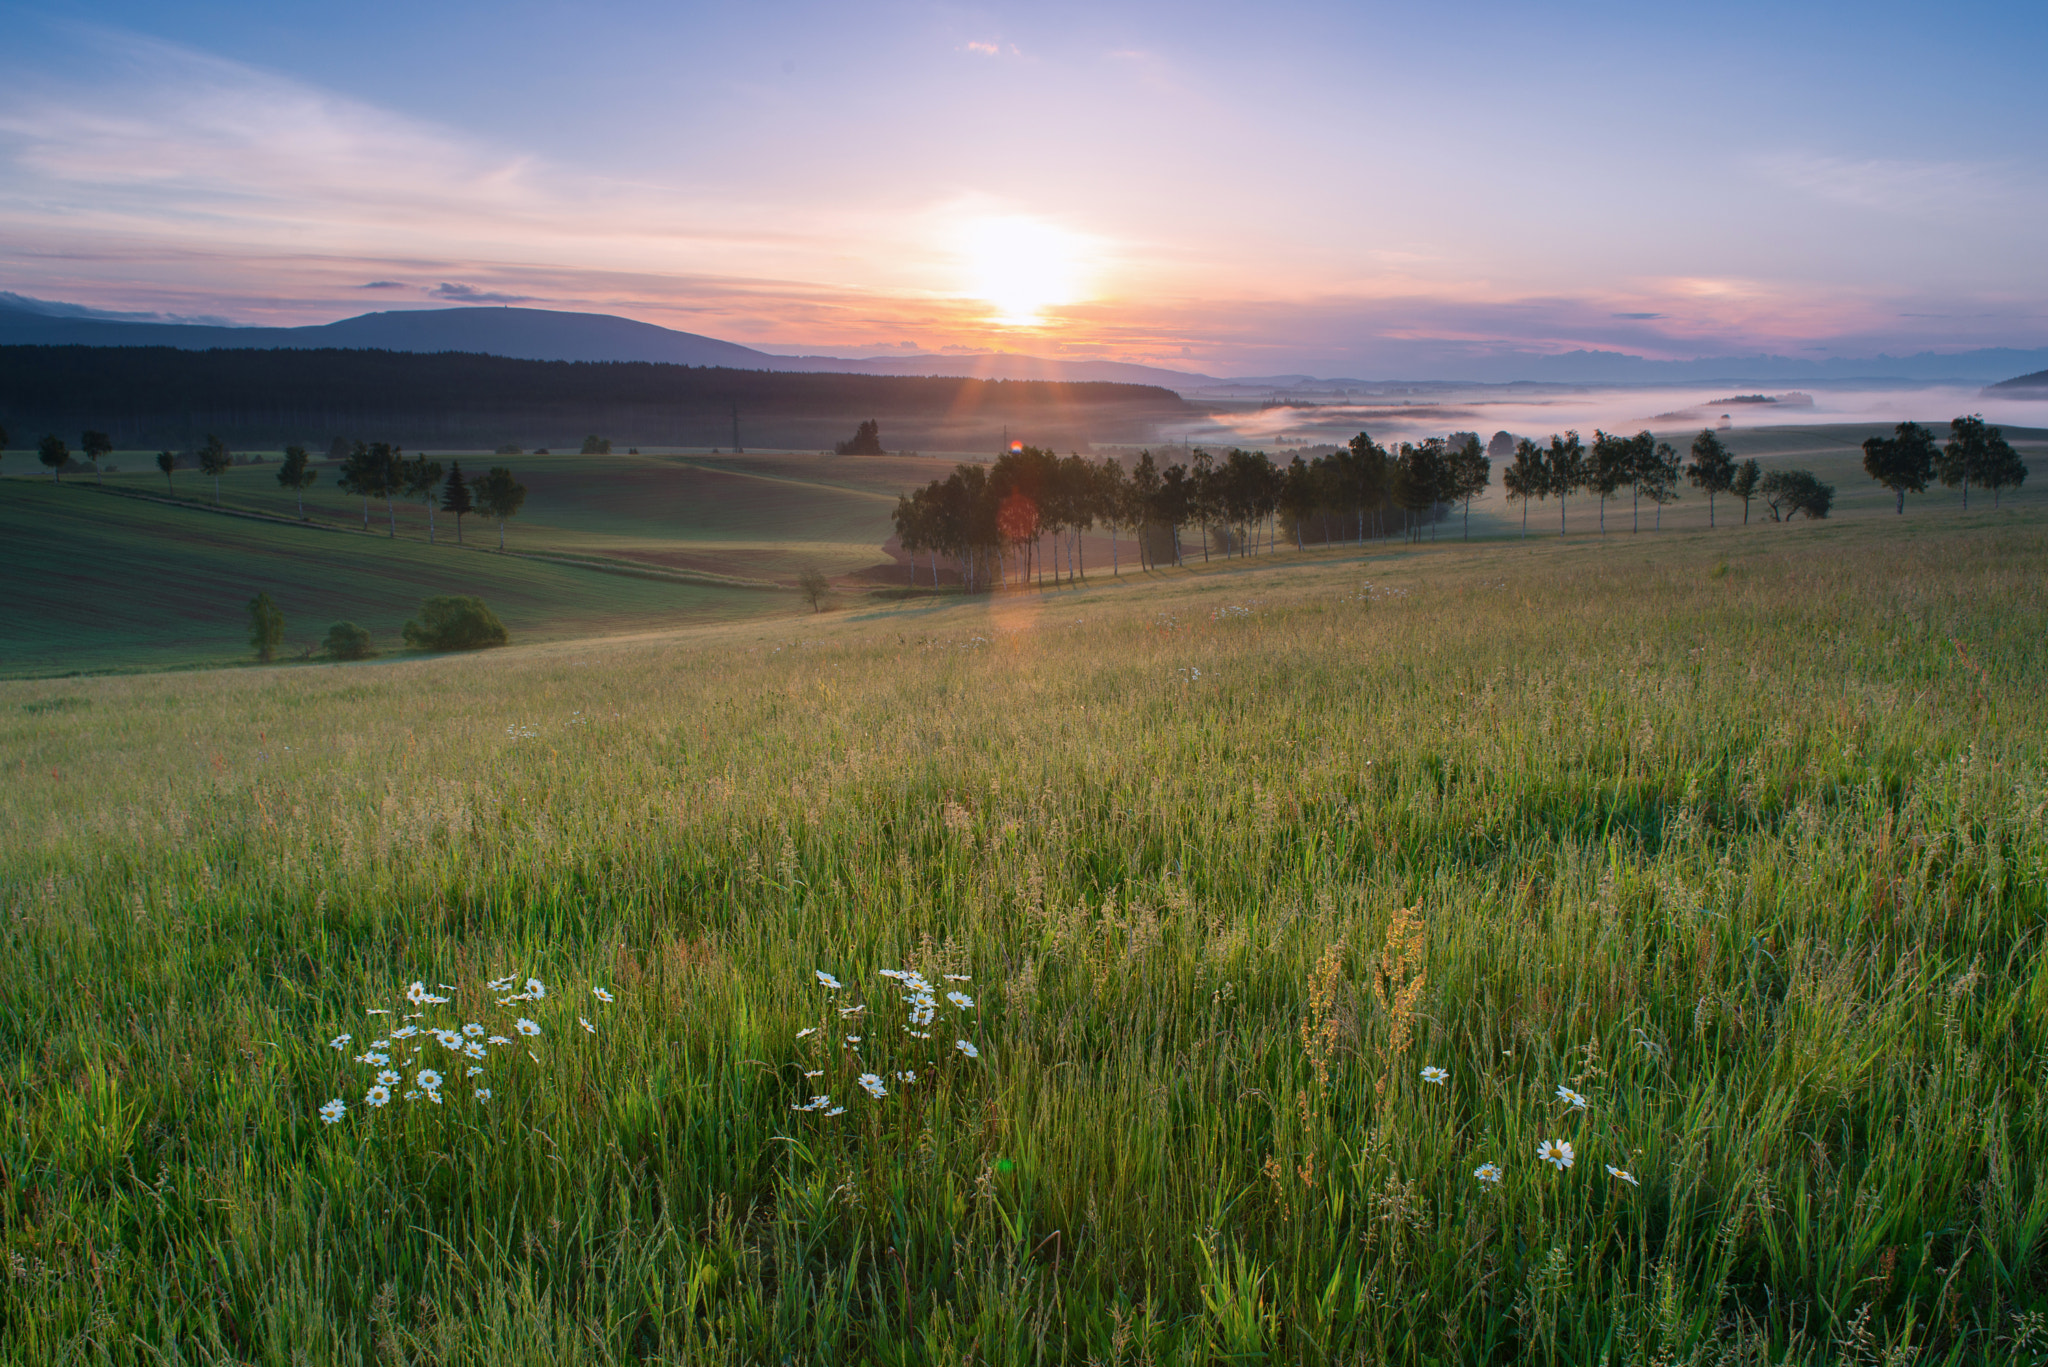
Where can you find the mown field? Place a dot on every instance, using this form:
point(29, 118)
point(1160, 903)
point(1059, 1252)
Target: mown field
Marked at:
point(1718, 857)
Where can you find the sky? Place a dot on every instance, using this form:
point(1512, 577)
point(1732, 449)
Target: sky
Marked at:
point(1338, 189)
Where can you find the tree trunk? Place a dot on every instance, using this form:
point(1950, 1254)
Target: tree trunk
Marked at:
point(501, 533)
point(1710, 509)
point(392, 513)
point(1525, 519)
point(430, 519)
point(1560, 514)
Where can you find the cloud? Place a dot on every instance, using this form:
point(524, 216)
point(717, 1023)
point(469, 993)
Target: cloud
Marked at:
point(470, 294)
point(985, 49)
point(1635, 315)
point(380, 285)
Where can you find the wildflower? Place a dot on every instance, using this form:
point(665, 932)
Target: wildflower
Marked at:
point(483, 1094)
point(917, 1034)
point(474, 1050)
point(497, 1039)
point(959, 978)
point(1556, 1152)
point(380, 1044)
point(373, 1058)
point(471, 1071)
point(405, 1032)
point(472, 1029)
point(853, 1039)
point(387, 1077)
point(600, 994)
point(1623, 1174)
point(416, 993)
point(966, 1048)
point(909, 1076)
point(434, 1097)
point(338, 1042)
point(827, 980)
point(961, 1000)
point(807, 1030)
point(846, 1011)
point(527, 1027)
point(334, 1110)
point(836, 1110)
point(379, 1011)
point(449, 1039)
point(1435, 1076)
point(412, 1096)
point(815, 1072)
point(872, 1085)
point(503, 984)
point(535, 990)
point(448, 987)
point(1571, 1098)
point(428, 1079)
point(379, 1095)
point(1489, 1173)
point(586, 1025)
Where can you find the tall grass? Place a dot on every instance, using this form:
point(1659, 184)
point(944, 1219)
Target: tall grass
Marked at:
point(1744, 844)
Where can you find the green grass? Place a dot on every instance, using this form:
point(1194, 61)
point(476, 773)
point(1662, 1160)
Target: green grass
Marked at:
point(97, 581)
point(1743, 836)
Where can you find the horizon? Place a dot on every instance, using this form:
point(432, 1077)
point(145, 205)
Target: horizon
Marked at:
point(1198, 190)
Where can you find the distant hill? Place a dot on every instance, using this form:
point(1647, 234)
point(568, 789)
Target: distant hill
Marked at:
point(533, 335)
point(2037, 381)
point(164, 396)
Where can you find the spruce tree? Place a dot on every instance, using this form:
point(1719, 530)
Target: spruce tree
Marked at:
point(455, 498)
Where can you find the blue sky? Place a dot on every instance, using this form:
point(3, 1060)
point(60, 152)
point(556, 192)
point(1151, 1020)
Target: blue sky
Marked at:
point(1351, 189)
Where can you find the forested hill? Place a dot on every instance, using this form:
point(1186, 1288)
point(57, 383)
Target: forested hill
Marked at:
point(164, 396)
point(2037, 380)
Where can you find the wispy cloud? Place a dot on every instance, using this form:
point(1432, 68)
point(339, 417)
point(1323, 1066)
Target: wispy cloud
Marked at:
point(470, 294)
point(381, 285)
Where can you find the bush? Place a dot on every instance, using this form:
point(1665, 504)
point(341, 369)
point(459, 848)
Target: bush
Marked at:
point(508, 450)
point(597, 446)
point(1788, 493)
point(347, 641)
point(455, 622)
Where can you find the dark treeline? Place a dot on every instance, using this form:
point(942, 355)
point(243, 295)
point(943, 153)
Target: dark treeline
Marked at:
point(1008, 518)
point(158, 396)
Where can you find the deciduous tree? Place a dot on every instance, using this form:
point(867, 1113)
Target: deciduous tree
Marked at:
point(418, 477)
point(167, 462)
point(1712, 469)
point(95, 447)
point(214, 460)
point(501, 496)
point(1902, 462)
point(1743, 486)
point(1470, 473)
point(295, 474)
point(1567, 468)
point(1528, 477)
point(1791, 492)
point(52, 452)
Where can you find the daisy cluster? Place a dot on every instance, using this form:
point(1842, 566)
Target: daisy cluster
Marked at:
point(859, 1044)
point(428, 1058)
point(1558, 1153)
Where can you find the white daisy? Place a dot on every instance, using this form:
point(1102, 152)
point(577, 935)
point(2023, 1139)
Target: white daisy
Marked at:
point(1556, 1152)
point(836, 1110)
point(1488, 1173)
point(1435, 1076)
point(966, 1048)
point(412, 1096)
point(807, 1030)
point(474, 1050)
point(434, 1097)
point(872, 1085)
point(827, 980)
point(958, 978)
point(483, 1094)
point(1623, 1174)
point(601, 994)
point(497, 1039)
point(334, 1110)
point(1571, 1098)
point(586, 1025)
point(380, 1095)
point(961, 1000)
point(373, 1058)
point(473, 1030)
point(428, 1079)
point(535, 989)
point(405, 1032)
point(471, 1071)
point(338, 1042)
point(387, 1077)
point(853, 1039)
point(527, 1027)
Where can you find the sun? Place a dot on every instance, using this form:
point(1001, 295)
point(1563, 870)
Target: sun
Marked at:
point(1022, 266)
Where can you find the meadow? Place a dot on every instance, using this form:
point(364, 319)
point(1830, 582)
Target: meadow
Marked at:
point(1305, 910)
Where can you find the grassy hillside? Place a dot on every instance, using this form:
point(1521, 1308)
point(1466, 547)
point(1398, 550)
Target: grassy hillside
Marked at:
point(1719, 857)
point(97, 581)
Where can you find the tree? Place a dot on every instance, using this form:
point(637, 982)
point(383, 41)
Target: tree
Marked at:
point(213, 461)
point(812, 584)
point(167, 462)
point(455, 498)
point(1527, 478)
point(373, 470)
point(418, 477)
point(2005, 470)
point(1612, 462)
point(1790, 492)
point(501, 496)
point(867, 441)
point(1712, 469)
point(597, 446)
point(95, 447)
point(454, 622)
point(1299, 496)
point(52, 452)
point(1470, 472)
point(1743, 486)
point(266, 626)
point(338, 449)
point(1113, 500)
point(1903, 462)
point(1657, 476)
point(1567, 467)
point(295, 474)
point(1971, 451)
point(347, 641)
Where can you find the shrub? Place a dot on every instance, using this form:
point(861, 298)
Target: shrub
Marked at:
point(455, 622)
point(597, 446)
point(347, 641)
